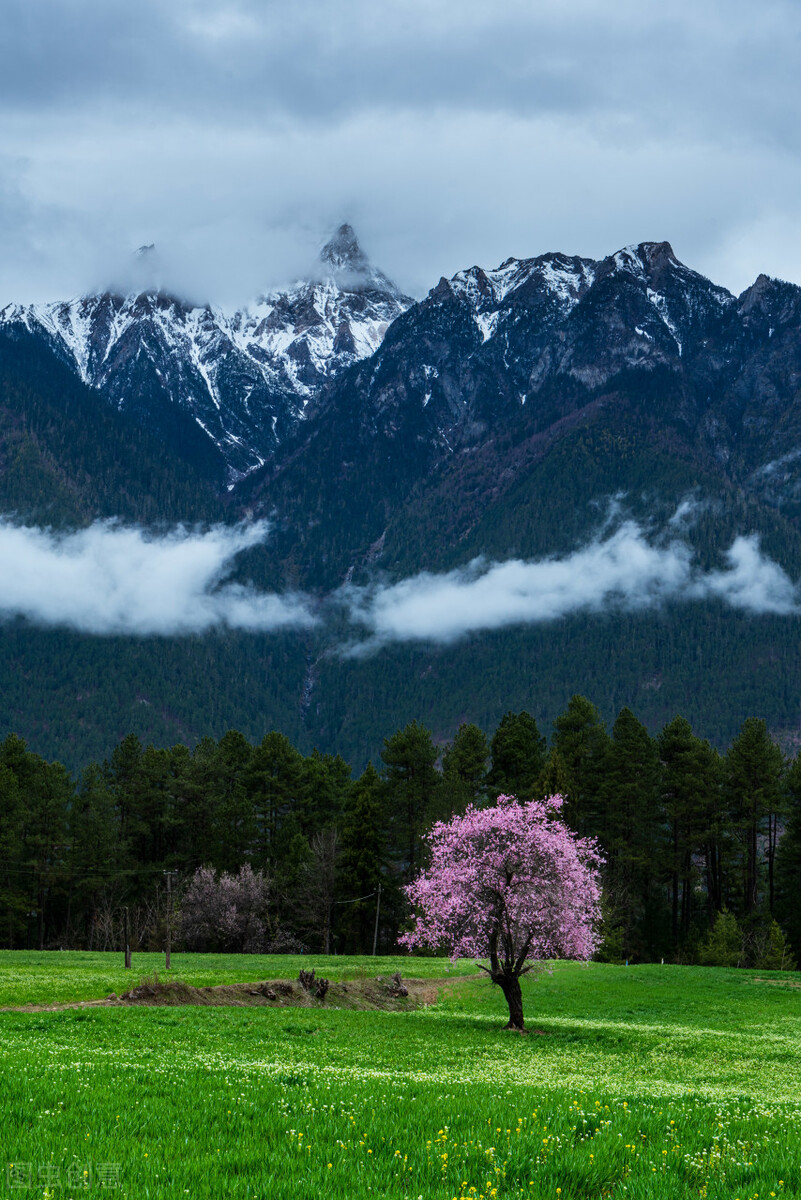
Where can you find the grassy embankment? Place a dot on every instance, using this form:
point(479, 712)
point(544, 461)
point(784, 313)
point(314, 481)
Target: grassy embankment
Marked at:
point(660, 1082)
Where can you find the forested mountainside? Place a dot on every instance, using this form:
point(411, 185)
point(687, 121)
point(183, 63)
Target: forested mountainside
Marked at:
point(523, 414)
point(66, 458)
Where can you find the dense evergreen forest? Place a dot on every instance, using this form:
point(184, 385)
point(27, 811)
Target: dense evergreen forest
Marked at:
point(74, 696)
point(242, 846)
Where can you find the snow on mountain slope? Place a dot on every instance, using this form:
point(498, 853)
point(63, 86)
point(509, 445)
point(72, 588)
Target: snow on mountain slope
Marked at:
point(245, 377)
point(524, 348)
point(549, 288)
point(566, 279)
point(527, 341)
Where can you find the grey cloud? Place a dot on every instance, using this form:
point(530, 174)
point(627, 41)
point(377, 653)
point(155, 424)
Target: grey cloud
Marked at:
point(320, 61)
point(111, 579)
point(238, 211)
point(620, 572)
point(234, 134)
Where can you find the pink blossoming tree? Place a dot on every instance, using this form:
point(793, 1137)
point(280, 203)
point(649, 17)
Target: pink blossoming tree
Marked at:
point(511, 884)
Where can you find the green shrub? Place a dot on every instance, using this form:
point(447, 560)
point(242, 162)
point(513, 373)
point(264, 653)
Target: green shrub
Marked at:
point(723, 945)
point(775, 953)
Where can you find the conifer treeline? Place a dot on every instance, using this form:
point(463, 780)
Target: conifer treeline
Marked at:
point(703, 850)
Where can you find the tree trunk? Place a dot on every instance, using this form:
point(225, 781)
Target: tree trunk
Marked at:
point(773, 837)
point(40, 919)
point(510, 986)
point(674, 882)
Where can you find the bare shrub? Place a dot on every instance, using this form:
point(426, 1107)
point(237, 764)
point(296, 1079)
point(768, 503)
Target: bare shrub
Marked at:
point(227, 912)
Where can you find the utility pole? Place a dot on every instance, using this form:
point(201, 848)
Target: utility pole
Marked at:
point(377, 911)
point(125, 938)
point(168, 949)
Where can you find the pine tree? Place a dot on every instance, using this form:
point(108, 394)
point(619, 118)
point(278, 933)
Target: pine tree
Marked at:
point(327, 779)
point(412, 789)
point(12, 897)
point(318, 883)
point(518, 756)
point(156, 806)
point(753, 783)
point(628, 828)
point(690, 776)
point(723, 946)
point(124, 772)
point(46, 846)
point(582, 742)
point(553, 781)
point(34, 829)
point(362, 861)
point(95, 850)
point(199, 787)
point(234, 814)
point(464, 770)
point(274, 781)
point(775, 953)
point(788, 861)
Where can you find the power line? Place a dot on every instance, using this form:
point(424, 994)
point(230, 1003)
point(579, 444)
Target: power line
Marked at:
point(64, 869)
point(358, 898)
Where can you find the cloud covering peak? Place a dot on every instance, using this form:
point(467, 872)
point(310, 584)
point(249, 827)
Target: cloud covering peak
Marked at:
point(234, 132)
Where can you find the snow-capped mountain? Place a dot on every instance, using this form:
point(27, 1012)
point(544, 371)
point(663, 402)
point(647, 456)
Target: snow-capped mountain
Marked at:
point(534, 340)
point(504, 418)
point(584, 320)
point(240, 381)
point(634, 361)
point(486, 343)
point(511, 351)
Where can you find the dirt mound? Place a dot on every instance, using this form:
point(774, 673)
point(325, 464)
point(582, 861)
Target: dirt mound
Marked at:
point(388, 993)
point(282, 993)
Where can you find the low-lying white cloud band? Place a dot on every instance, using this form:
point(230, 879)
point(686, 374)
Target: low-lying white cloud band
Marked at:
point(622, 572)
point(113, 579)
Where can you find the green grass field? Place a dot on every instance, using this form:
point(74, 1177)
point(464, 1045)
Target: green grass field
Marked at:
point(637, 1082)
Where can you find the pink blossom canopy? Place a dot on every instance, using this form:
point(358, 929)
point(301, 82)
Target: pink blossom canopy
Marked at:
point(511, 881)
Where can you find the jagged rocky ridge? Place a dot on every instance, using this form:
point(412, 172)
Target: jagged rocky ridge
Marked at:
point(473, 388)
point(224, 389)
point(486, 344)
point(343, 380)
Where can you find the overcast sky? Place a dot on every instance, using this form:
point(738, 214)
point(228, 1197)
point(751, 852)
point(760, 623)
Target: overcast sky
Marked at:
point(236, 134)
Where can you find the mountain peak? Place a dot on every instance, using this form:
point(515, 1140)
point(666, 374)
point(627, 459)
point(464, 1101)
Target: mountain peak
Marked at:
point(343, 252)
point(644, 258)
point(344, 262)
point(655, 253)
point(145, 275)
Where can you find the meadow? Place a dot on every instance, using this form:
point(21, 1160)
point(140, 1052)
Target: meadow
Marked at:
point(650, 1081)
